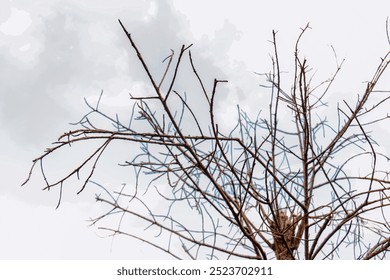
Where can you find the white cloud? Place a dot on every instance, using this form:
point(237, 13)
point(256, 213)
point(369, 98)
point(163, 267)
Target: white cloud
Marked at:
point(18, 22)
point(41, 232)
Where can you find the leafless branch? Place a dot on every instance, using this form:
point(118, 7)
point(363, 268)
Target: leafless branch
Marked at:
point(272, 188)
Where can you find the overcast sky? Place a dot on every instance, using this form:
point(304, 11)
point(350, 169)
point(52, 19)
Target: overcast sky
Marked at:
point(54, 53)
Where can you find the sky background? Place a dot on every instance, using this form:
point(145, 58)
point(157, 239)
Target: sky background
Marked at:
point(53, 54)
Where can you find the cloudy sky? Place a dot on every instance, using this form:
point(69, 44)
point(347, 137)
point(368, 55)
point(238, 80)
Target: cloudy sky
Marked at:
point(54, 53)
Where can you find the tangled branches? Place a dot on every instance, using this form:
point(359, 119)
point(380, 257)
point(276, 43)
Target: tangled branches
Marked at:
point(270, 188)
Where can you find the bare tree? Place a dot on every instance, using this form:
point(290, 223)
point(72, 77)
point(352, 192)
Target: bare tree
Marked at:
point(284, 188)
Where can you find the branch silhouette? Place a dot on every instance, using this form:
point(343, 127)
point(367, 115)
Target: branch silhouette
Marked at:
point(272, 188)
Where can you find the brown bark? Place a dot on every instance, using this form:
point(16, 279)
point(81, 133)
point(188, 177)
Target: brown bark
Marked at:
point(286, 240)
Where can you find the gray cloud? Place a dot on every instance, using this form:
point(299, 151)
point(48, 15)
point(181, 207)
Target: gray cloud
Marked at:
point(70, 51)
